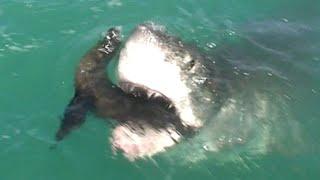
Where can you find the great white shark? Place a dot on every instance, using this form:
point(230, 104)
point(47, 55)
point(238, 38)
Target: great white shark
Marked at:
point(166, 90)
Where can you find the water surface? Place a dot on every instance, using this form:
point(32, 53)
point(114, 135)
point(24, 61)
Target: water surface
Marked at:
point(270, 52)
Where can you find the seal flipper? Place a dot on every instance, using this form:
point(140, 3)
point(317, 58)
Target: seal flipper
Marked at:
point(74, 114)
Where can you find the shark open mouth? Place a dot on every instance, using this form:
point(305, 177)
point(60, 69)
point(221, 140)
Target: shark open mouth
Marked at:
point(157, 67)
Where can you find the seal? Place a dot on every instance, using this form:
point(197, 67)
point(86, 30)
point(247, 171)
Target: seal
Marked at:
point(95, 92)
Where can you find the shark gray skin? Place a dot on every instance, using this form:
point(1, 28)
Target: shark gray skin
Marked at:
point(95, 92)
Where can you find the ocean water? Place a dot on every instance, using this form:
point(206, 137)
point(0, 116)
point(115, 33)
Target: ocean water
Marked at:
point(270, 52)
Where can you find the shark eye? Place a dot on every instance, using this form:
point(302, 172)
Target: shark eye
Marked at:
point(191, 64)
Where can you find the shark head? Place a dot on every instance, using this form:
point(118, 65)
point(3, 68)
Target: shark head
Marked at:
point(160, 66)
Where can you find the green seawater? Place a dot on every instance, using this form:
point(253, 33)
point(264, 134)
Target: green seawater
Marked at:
point(273, 47)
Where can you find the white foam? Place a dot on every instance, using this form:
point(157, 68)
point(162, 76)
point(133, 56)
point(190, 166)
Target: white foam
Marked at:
point(135, 144)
